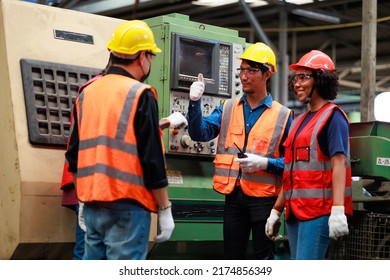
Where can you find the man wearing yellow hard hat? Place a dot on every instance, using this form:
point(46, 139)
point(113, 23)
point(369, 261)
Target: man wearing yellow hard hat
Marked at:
point(115, 152)
point(249, 160)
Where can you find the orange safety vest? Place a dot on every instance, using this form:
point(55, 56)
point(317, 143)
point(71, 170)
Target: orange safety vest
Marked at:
point(307, 177)
point(67, 178)
point(263, 139)
point(108, 167)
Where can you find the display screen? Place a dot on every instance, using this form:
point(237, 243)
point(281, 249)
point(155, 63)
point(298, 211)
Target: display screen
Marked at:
point(195, 58)
point(191, 55)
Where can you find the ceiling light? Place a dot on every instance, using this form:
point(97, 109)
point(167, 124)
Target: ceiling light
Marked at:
point(256, 3)
point(298, 2)
point(252, 3)
point(213, 3)
point(381, 110)
point(216, 3)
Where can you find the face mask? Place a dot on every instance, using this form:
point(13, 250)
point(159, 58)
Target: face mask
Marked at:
point(146, 75)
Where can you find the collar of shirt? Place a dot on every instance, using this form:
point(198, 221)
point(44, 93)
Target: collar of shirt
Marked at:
point(266, 101)
point(252, 115)
point(119, 71)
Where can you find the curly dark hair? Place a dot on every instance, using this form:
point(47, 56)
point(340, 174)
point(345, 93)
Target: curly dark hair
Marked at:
point(326, 82)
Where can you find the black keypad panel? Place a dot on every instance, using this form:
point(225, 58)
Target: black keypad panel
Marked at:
point(49, 92)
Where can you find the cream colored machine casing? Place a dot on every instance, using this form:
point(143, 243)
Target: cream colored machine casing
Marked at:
point(30, 175)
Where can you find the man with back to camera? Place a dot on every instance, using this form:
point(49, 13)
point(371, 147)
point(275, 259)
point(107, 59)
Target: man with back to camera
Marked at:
point(69, 196)
point(115, 152)
point(257, 125)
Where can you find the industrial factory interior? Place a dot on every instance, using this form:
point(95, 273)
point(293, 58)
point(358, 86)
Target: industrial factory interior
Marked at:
point(49, 48)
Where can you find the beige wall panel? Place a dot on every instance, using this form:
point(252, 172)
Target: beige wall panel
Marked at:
point(9, 162)
point(33, 38)
point(42, 219)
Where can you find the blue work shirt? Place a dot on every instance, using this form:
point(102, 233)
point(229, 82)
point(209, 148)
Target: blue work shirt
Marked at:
point(207, 128)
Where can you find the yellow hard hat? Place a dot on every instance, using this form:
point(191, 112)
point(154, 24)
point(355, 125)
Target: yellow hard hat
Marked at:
point(260, 53)
point(131, 37)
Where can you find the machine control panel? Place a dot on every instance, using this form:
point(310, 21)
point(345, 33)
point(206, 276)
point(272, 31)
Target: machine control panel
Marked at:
point(179, 140)
point(236, 86)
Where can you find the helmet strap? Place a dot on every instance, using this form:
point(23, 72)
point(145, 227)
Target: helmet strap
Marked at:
point(308, 99)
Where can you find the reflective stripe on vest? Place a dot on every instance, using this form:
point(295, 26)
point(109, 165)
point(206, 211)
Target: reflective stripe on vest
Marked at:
point(307, 184)
point(109, 168)
point(226, 169)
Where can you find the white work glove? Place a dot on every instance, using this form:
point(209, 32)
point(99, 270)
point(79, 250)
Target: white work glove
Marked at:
point(80, 216)
point(272, 226)
point(166, 224)
point(338, 225)
point(252, 163)
point(197, 88)
point(177, 120)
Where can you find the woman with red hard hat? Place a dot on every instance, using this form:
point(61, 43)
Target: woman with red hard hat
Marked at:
point(317, 192)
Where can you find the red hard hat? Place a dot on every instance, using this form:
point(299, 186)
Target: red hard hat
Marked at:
point(315, 60)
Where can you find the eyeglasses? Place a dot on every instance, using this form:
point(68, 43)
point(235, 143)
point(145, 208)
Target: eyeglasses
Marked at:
point(247, 71)
point(300, 78)
point(152, 55)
